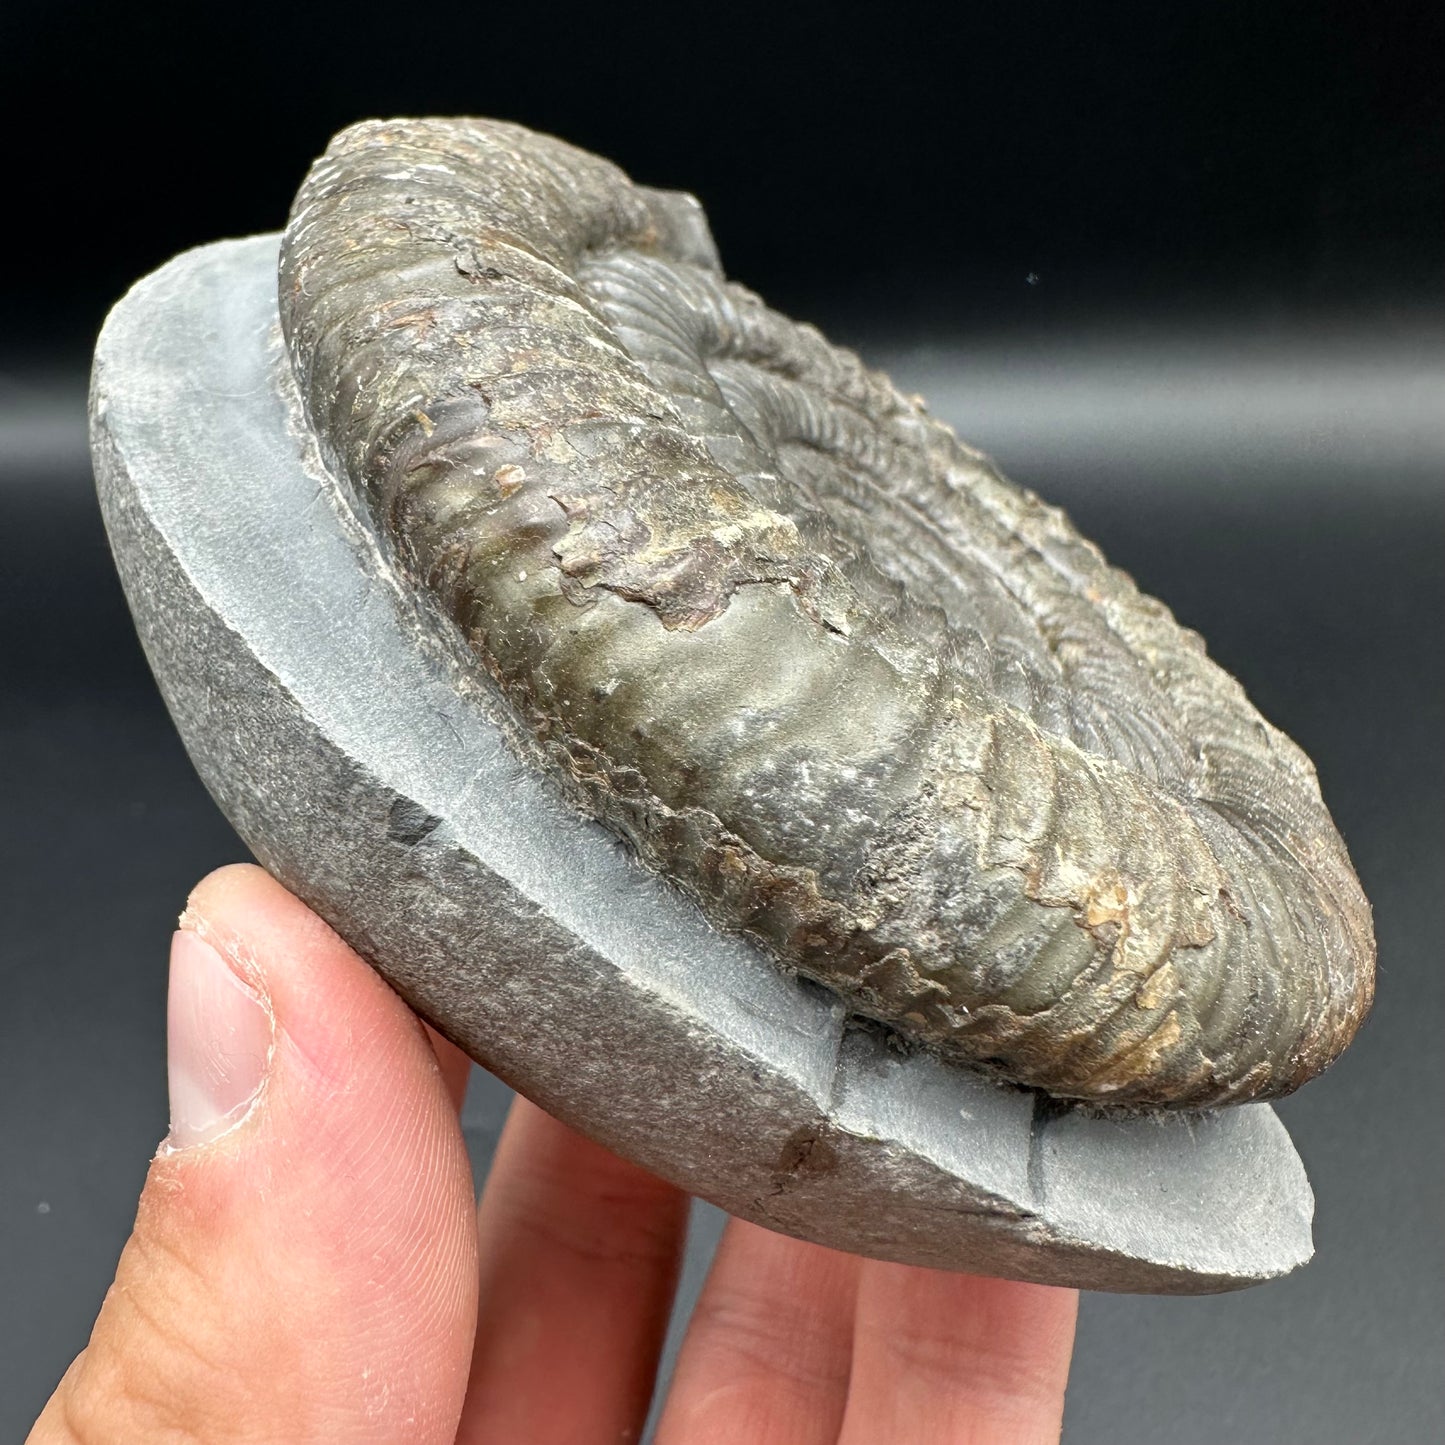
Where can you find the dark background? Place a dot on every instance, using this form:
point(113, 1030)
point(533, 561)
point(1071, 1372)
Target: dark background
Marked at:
point(904, 163)
point(1180, 267)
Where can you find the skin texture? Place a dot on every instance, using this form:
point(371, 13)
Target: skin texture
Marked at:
point(316, 1271)
point(817, 661)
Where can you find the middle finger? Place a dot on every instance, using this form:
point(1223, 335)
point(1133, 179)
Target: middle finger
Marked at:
point(766, 1356)
point(579, 1252)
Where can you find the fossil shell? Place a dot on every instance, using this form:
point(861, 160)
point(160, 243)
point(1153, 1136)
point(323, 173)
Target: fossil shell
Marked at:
point(815, 659)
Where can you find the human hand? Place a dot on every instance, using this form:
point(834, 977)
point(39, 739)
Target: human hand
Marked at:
point(307, 1264)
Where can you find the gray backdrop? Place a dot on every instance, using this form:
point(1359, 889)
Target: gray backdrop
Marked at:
point(1282, 491)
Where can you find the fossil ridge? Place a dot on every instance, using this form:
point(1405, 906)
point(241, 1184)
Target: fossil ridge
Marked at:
point(870, 704)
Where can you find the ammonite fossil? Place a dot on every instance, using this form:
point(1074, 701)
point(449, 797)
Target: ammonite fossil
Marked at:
point(818, 662)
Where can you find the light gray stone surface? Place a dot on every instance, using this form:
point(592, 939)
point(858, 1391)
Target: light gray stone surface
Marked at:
point(371, 778)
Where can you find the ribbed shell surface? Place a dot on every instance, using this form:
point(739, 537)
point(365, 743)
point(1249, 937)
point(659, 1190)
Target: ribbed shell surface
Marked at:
point(818, 662)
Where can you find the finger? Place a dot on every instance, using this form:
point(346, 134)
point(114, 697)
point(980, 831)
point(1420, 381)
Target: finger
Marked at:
point(766, 1356)
point(456, 1067)
point(579, 1258)
point(303, 1261)
point(945, 1357)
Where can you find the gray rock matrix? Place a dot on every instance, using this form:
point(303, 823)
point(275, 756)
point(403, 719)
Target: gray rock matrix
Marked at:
point(357, 748)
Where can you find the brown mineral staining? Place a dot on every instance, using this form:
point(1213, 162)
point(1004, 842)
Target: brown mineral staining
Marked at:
point(804, 1152)
point(817, 661)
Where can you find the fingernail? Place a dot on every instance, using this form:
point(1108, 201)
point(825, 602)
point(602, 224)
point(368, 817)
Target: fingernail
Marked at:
point(218, 1043)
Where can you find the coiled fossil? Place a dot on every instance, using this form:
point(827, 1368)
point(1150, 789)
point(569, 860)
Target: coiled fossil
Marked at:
point(816, 660)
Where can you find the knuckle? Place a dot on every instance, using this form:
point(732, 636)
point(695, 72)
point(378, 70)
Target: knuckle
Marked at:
point(998, 1379)
point(759, 1339)
point(148, 1373)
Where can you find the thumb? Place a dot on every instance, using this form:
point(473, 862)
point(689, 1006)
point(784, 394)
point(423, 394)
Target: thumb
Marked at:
point(303, 1264)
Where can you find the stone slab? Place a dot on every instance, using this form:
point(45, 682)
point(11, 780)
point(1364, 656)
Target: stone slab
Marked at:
point(375, 781)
